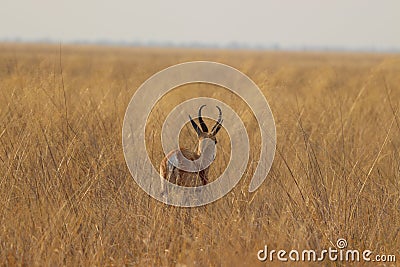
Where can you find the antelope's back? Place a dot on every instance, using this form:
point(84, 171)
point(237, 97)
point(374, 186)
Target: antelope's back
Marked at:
point(177, 176)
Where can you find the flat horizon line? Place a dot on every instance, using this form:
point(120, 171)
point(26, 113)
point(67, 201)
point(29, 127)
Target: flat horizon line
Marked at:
point(205, 45)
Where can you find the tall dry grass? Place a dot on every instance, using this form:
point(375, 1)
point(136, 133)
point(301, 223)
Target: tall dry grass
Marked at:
point(67, 197)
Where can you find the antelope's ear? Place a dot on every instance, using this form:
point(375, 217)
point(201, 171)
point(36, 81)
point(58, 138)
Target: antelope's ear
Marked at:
point(216, 128)
point(195, 126)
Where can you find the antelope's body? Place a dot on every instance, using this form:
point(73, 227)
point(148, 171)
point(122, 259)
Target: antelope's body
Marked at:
point(171, 173)
point(169, 167)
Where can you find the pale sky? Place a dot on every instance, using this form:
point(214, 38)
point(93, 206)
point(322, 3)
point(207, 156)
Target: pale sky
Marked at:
point(297, 23)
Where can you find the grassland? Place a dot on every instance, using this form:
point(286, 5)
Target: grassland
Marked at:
point(67, 197)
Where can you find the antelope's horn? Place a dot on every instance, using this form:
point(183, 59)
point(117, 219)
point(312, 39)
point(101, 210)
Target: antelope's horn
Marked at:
point(202, 124)
point(217, 125)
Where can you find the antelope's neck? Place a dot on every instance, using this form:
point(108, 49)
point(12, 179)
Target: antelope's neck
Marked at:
point(207, 149)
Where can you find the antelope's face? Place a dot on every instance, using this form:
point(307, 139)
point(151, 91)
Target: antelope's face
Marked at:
point(207, 146)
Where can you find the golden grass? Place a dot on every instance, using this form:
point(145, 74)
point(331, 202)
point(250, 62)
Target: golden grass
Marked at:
point(67, 197)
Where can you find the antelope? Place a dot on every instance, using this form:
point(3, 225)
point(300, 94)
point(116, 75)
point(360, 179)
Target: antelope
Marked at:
point(205, 150)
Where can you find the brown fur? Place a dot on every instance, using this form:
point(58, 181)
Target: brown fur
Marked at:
point(183, 178)
point(191, 179)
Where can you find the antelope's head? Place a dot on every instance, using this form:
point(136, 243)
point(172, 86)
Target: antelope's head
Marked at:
point(207, 140)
